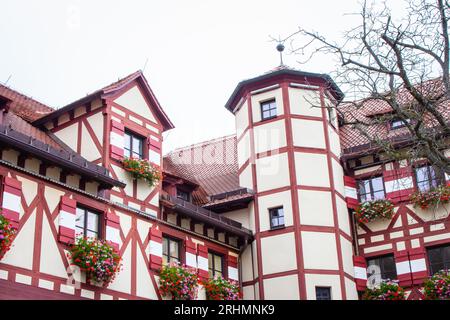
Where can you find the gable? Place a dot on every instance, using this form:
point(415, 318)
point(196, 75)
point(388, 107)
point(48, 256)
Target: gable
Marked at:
point(133, 100)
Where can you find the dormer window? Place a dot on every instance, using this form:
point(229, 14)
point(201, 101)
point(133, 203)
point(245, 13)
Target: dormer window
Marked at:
point(183, 195)
point(398, 123)
point(134, 145)
point(268, 109)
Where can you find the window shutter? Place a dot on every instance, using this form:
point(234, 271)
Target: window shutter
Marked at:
point(117, 140)
point(113, 230)
point(351, 196)
point(403, 268)
point(233, 273)
point(67, 215)
point(155, 249)
point(154, 150)
point(202, 261)
point(418, 265)
point(191, 254)
point(360, 268)
point(398, 184)
point(12, 195)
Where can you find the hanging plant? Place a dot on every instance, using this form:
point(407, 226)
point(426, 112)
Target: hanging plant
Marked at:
point(385, 291)
point(372, 210)
point(7, 234)
point(178, 282)
point(97, 258)
point(425, 199)
point(142, 169)
point(221, 289)
point(437, 287)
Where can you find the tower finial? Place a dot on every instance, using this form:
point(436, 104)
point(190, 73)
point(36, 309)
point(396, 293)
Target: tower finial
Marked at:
point(280, 49)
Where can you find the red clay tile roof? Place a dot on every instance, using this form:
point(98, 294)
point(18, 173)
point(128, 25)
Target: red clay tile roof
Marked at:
point(370, 110)
point(210, 164)
point(23, 106)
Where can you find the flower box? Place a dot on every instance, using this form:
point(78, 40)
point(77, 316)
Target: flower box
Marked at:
point(372, 210)
point(142, 169)
point(435, 197)
point(97, 258)
point(7, 234)
point(178, 282)
point(437, 287)
point(221, 289)
point(389, 290)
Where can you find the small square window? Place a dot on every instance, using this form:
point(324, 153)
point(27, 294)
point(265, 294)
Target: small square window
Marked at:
point(268, 110)
point(381, 269)
point(276, 216)
point(439, 258)
point(87, 223)
point(133, 145)
point(183, 195)
point(171, 251)
point(215, 265)
point(371, 189)
point(323, 293)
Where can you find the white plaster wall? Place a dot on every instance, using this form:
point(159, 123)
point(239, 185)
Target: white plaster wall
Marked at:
point(343, 216)
point(271, 201)
point(245, 178)
point(315, 208)
point(281, 288)
point(319, 250)
point(69, 135)
point(338, 177)
point(278, 253)
point(242, 216)
point(247, 264)
point(347, 255)
point(243, 149)
point(311, 169)
point(135, 102)
point(323, 280)
point(96, 123)
point(305, 102)
point(241, 119)
point(308, 133)
point(270, 136)
point(335, 144)
point(261, 97)
point(272, 172)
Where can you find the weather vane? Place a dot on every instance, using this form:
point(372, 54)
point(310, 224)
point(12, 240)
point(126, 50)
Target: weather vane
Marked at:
point(280, 49)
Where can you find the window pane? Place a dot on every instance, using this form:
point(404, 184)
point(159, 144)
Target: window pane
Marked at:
point(273, 112)
point(378, 195)
point(323, 293)
point(210, 261)
point(127, 140)
point(218, 263)
point(79, 233)
point(421, 174)
point(137, 145)
point(174, 249)
point(91, 234)
point(79, 220)
point(280, 212)
point(165, 246)
point(266, 114)
point(281, 221)
point(126, 153)
point(377, 184)
point(274, 222)
point(164, 259)
point(92, 222)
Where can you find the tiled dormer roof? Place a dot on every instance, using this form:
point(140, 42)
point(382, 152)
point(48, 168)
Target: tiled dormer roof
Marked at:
point(211, 164)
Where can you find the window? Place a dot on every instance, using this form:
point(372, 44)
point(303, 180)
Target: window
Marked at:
point(276, 217)
point(184, 195)
point(397, 123)
point(439, 258)
point(134, 146)
point(371, 189)
point(215, 265)
point(381, 268)
point(87, 223)
point(428, 177)
point(268, 110)
point(323, 293)
point(171, 251)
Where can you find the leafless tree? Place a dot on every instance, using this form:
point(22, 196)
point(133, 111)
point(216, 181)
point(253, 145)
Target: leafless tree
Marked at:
point(395, 68)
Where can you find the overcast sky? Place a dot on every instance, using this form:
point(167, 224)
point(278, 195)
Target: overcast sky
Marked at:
point(197, 51)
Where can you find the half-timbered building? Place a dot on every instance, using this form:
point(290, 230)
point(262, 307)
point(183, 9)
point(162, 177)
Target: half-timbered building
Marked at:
point(270, 206)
